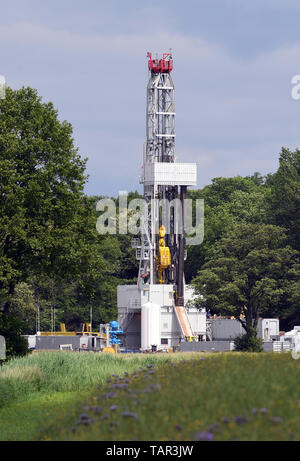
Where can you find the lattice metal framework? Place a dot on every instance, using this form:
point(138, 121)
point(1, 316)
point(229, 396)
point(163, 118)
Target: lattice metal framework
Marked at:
point(160, 148)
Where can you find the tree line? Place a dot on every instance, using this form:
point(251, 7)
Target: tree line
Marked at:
point(52, 258)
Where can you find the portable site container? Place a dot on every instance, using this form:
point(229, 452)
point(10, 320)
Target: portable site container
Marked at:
point(268, 329)
point(54, 342)
point(225, 329)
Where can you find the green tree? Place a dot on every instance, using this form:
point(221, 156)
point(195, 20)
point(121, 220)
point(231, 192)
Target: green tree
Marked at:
point(48, 226)
point(23, 306)
point(285, 196)
point(41, 201)
point(250, 272)
point(11, 327)
point(226, 201)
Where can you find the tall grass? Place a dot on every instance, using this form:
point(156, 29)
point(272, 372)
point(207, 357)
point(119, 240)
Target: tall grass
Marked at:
point(43, 395)
point(38, 391)
point(63, 371)
point(244, 396)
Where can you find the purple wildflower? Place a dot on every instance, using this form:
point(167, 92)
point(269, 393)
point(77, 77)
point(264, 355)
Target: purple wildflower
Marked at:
point(240, 420)
point(97, 409)
point(118, 386)
point(205, 436)
point(84, 419)
point(276, 419)
point(110, 395)
point(87, 421)
point(129, 414)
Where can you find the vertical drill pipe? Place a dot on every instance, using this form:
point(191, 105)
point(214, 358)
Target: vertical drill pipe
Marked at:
point(180, 288)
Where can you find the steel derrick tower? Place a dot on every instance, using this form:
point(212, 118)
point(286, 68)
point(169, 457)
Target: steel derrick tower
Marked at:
point(160, 115)
point(159, 310)
point(161, 250)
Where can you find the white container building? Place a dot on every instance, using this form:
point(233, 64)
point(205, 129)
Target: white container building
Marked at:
point(164, 330)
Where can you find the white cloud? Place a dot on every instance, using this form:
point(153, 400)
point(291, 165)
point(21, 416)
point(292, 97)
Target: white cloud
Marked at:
point(127, 44)
point(233, 113)
point(196, 50)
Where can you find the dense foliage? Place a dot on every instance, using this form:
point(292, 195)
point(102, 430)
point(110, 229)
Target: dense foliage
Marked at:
point(51, 256)
point(249, 261)
point(248, 342)
point(11, 327)
point(53, 261)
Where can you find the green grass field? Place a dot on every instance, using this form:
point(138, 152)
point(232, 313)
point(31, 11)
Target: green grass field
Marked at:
point(38, 390)
point(230, 396)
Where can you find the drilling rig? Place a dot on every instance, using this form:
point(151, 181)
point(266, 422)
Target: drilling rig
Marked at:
point(158, 312)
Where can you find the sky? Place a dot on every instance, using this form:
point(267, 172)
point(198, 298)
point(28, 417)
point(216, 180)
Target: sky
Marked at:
point(233, 65)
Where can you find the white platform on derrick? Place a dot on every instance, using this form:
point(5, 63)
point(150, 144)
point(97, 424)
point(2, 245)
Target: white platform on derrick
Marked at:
point(170, 174)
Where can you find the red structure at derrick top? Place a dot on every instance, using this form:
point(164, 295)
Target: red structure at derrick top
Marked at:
point(160, 66)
